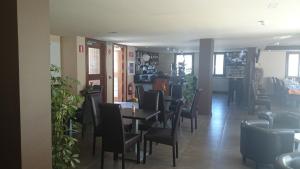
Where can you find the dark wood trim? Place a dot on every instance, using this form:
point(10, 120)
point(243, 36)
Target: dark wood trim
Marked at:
point(103, 72)
point(124, 92)
point(113, 71)
point(10, 91)
point(126, 73)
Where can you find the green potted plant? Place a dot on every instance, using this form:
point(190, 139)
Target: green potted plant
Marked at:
point(64, 103)
point(189, 88)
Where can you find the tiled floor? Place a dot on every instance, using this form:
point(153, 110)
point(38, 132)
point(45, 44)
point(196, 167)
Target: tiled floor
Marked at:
point(214, 145)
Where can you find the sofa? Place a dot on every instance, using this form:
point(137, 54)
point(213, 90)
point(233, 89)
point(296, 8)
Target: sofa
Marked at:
point(288, 161)
point(263, 144)
point(286, 120)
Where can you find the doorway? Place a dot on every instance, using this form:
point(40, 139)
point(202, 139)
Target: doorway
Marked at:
point(96, 65)
point(119, 62)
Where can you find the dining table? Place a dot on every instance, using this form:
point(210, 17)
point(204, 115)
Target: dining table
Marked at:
point(135, 114)
point(130, 110)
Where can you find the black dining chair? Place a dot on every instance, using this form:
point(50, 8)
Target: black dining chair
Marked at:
point(167, 136)
point(95, 100)
point(114, 139)
point(191, 112)
point(164, 115)
point(140, 94)
point(176, 94)
point(150, 102)
point(259, 100)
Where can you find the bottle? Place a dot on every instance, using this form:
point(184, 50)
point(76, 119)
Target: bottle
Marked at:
point(133, 109)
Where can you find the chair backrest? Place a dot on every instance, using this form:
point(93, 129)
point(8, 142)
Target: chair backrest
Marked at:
point(176, 91)
point(140, 94)
point(177, 114)
point(161, 105)
point(254, 90)
point(194, 105)
point(113, 131)
point(97, 87)
point(95, 100)
point(150, 101)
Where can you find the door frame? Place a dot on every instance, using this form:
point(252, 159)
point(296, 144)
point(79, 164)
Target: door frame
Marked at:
point(125, 70)
point(104, 80)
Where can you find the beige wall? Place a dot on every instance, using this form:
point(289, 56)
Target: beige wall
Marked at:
point(73, 61)
point(68, 56)
point(273, 63)
point(81, 66)
point(34, 62)
point(55, 50)
point(130, 78)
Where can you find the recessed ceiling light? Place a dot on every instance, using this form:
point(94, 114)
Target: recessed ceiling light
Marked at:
point(262, 22)
point(273, 4)
point(282, 37)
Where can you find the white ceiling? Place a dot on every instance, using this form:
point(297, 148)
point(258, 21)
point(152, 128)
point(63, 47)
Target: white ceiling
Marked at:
point(180, 23)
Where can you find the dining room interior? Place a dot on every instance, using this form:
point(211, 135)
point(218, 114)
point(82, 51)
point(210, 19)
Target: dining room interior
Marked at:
point(149, 84)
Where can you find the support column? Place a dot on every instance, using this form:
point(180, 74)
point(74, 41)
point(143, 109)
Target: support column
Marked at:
point(10, 141)
point(251, 53)
point(25, 85)
point(205, 75)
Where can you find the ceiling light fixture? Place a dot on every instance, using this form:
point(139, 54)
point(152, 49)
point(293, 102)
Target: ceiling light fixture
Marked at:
point(273, 4)
point(262, 22)
point(282, 37)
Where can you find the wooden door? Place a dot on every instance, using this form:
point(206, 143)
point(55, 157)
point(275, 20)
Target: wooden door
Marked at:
point(96, 64)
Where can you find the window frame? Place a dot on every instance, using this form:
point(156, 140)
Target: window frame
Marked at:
point(287, 64)
point(214, 64)
point(175, 59)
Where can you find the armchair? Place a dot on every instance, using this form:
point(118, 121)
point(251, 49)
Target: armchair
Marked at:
point(288, 161)
point(261, 144)
point(286, 120)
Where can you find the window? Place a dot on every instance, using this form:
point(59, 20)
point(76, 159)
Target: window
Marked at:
point(187, 60)
point(293, 64)
point(218, 66)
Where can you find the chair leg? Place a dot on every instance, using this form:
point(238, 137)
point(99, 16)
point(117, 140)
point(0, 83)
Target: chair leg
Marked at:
point(141, 137)
point(244, 160)
point(145, 150)
point(115, 156)
point(150, 148)
point(176, 149)
point(138, 153)
point(196, 122)
point(192, 125)
point(123, 161)
point(94, 144)
point(102, 158)
point(174, 158)
point(83, 130)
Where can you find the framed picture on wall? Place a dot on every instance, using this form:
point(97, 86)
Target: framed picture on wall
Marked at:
point(131, 67)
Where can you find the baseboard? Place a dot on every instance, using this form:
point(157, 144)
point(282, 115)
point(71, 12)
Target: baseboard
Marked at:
point(220, 92)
